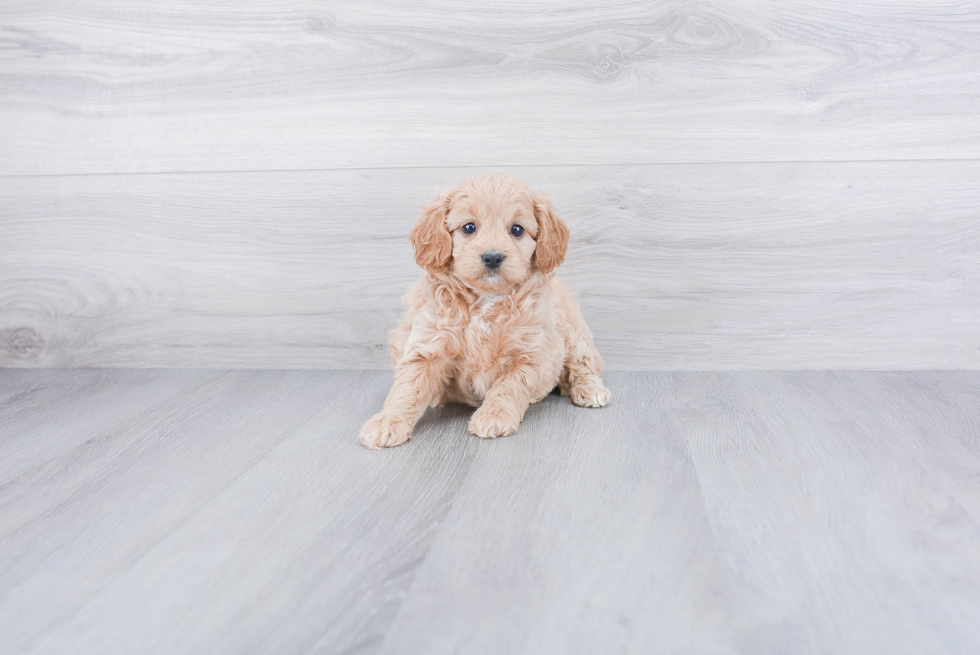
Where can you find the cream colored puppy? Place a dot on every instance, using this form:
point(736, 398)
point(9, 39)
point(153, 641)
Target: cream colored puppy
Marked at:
point(488, 324)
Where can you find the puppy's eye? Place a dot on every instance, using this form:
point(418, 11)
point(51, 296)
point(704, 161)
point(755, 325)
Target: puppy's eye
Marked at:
point(517, 231)
point(469, 228)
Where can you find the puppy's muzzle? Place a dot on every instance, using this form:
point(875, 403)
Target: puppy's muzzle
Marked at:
point(492, 260)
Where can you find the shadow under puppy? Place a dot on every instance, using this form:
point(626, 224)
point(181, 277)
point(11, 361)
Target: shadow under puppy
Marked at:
point(488, 324)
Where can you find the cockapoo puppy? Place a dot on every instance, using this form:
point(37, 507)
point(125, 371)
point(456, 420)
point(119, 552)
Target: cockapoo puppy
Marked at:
point(488, 324)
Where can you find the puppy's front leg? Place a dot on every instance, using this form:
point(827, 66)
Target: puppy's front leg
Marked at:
point(419, 380)
point(504, 406)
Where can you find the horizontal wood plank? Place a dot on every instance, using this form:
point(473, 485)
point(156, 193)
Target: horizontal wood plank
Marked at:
point(725, 266)
point(140, 86)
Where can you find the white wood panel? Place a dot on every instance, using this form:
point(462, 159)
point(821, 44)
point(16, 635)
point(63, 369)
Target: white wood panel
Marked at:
point(729, 266)
point(141, 85)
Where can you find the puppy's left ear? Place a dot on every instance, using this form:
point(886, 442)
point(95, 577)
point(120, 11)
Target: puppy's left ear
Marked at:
point(552, 241)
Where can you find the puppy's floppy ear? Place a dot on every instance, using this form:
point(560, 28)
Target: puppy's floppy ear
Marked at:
point(432, 242)
point(552, 241)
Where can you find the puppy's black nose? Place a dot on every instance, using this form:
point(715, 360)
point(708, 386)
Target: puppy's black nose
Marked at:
point(492, 259)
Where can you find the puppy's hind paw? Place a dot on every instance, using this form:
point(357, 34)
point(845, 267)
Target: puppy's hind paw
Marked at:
point(490, 421)
point(385, 431)
point(589, 391)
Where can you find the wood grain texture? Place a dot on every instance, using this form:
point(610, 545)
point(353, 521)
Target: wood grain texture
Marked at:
point(247, 488)
point(802, 512)
point(857, 477)
point(89, 401)
point(741, 512)
point(869, 265)
point(594, 539)
point(138, 86)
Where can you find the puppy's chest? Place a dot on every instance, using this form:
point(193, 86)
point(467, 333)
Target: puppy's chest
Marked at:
point(485, 337)
point(486, 348)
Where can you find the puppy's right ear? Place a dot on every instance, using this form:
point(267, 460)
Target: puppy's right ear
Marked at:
point(431, 239)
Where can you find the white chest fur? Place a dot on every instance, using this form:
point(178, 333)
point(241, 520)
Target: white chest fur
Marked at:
point(481, 349)
point(480, 313)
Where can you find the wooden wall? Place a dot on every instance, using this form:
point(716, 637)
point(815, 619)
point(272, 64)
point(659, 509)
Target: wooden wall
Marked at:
point(231, 184)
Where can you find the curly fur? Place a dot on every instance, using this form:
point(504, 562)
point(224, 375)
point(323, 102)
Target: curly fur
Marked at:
point(497, 340)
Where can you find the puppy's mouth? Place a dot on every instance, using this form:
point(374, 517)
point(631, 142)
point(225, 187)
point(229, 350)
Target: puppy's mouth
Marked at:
point(491, 280)
point(494, 278)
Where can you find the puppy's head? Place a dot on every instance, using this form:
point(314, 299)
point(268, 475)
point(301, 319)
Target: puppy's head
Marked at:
point(491, 231)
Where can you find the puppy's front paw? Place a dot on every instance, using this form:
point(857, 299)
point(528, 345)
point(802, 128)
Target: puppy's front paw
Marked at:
point(589, 391)
point(490, 421)
point(385, 431)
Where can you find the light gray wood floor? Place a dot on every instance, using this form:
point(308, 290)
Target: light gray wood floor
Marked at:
point(148, 511)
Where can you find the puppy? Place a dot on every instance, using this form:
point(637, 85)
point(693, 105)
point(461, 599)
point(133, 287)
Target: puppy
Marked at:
point(488, 324)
